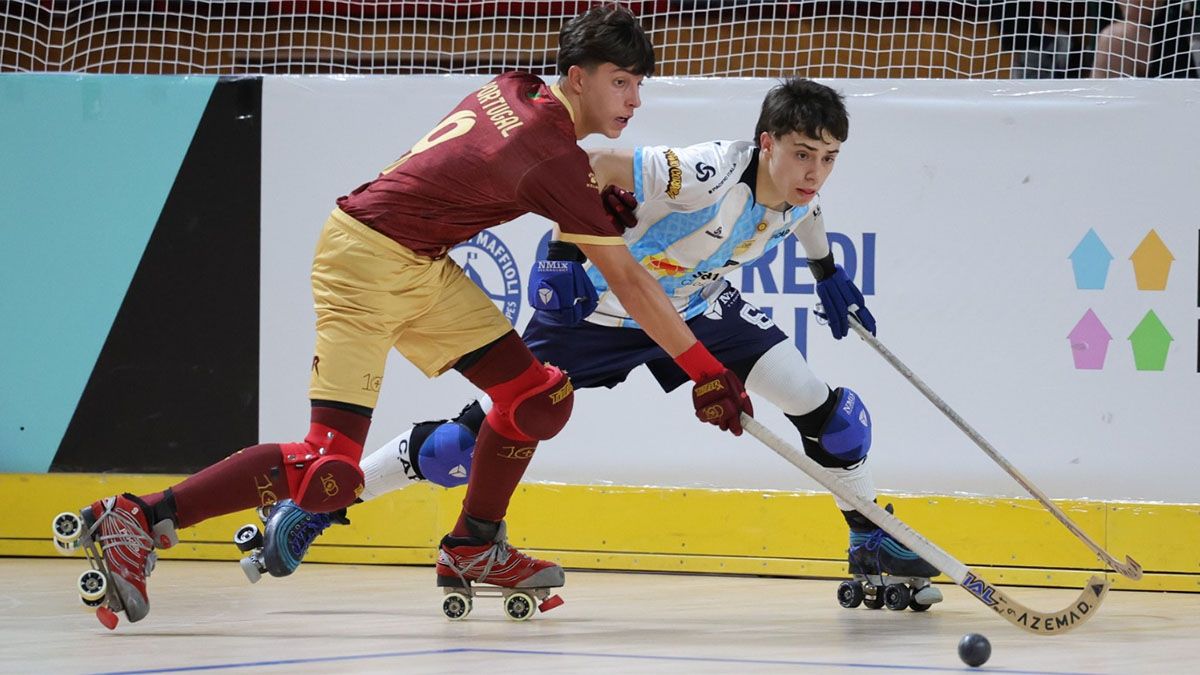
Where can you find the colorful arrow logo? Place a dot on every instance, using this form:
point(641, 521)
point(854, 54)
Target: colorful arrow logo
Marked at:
point(1152, 263)
point(1090, 260)
point(1150, 342)
point(1089, 342)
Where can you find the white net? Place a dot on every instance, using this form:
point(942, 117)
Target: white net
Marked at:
point(828, 38)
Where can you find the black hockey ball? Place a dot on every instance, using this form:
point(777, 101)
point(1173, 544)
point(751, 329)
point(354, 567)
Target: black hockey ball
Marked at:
point(974, 649)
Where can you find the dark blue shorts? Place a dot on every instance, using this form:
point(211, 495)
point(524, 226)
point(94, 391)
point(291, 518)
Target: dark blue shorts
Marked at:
point(603, 356)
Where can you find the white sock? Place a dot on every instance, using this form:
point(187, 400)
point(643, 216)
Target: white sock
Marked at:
point(388, 468)
point(860, 481)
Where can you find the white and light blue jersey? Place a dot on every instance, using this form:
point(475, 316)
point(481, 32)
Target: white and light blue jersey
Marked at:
point(698, 221)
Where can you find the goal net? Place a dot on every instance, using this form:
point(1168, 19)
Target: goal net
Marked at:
point(760, 38)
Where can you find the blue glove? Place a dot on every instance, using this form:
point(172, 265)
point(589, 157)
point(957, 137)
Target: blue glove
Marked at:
point(838, 294)
point(559, 287)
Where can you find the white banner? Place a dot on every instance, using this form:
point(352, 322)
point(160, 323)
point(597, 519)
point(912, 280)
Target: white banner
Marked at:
point(1028, 248)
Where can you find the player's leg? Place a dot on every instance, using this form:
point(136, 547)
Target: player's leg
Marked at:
point(438, 451)
point(320, 473)
point(834, 424)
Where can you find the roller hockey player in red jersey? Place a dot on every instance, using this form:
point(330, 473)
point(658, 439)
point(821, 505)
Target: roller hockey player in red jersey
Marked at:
point(381, 279)
point(707, 209)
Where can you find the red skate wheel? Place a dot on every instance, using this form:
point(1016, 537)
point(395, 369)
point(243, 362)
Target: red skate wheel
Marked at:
point(107, 617)
point(550, 603)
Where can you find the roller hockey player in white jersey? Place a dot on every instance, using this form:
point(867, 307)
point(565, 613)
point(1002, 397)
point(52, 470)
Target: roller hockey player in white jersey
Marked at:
point(701, 212)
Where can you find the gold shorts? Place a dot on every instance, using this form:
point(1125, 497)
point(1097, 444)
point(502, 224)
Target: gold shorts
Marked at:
point(371, 293)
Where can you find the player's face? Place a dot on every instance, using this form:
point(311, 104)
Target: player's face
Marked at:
point(798, 165)
point(608, 97)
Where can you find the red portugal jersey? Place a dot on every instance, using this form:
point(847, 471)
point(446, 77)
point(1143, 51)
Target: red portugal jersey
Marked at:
point(506, 150)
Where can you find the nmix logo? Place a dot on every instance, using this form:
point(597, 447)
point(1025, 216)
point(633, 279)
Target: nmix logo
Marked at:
point(489, 263)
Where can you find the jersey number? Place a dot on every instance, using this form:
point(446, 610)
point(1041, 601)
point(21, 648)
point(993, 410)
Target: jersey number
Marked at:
point(452, 127)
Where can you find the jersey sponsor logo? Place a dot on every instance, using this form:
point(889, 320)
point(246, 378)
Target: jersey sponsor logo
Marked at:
point(707, 387)
point(674, 174)
point(728, 173)
point(717, 233)
point(489, 263)
point(704, 171)
point(659, 262)
point(592, 182)
point(497, 109)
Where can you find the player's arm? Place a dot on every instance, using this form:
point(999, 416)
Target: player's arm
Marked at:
point(718, 395)
point(559, 189)
point(612, 167)
point(836, 290)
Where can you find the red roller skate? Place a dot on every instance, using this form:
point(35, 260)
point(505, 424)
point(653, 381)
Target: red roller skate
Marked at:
point(523, 582)
point(119, 543)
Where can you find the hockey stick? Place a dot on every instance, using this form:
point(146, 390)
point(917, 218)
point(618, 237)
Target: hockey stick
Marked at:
point(1041, 623)
point(1130, 568)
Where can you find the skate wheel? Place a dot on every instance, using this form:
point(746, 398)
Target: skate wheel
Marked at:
point(92, 587)
point(874, 597)
point(850, 594)
point(918, 606)
point(456, 606)
point(896, 597)
point(519, 606)
point(67, 527)
point(550, 603)
point(248, 537)
point(251, 570)
point(65, 548)
point(107, 617)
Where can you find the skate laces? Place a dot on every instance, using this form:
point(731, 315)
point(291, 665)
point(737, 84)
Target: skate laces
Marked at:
point(123, 538)
point(495, 556)
point(306, 530)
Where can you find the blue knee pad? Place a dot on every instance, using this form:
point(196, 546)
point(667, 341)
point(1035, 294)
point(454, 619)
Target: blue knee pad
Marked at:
point(846, 434)
point(445, 456)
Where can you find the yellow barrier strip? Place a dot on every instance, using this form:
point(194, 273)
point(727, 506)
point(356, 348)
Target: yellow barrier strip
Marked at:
point(771, 533)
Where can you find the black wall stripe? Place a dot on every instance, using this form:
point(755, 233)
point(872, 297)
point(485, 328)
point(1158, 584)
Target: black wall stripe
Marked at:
point(175, 387)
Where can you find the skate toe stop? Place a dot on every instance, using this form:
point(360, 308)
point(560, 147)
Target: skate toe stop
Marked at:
point(107, 617)
point(550, 603)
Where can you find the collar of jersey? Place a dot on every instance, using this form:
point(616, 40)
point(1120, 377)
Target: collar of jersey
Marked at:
point(562, 98)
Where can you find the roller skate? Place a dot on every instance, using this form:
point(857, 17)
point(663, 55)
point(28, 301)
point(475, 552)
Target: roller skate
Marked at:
point(523, 582)
point(886, 573)
point(119, 544)
point(290, 530)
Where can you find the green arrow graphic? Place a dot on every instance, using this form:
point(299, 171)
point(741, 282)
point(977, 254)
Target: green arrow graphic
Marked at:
point(1150, 341)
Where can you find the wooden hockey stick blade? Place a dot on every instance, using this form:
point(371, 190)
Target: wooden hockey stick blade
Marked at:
point(1130, 568)
point(1041, 623)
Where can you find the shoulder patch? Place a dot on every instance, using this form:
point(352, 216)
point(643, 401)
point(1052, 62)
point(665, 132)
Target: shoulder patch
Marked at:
point(674, 172)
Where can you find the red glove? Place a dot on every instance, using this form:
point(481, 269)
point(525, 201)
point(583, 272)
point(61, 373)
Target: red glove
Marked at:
point(719, 397)
point(620, 205)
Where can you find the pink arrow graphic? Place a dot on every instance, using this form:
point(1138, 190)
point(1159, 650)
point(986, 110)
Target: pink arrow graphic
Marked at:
point(1089, 342)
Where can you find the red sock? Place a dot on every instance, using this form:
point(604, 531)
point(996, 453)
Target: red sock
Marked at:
point(250, 477)
point(497, 466)
point(247, 478)
point(500, 458)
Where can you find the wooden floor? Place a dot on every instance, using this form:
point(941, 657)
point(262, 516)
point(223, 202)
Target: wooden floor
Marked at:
point(376, 619)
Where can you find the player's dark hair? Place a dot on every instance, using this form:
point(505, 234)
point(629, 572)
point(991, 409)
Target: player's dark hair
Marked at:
point(605, 34)
point(801, 105)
